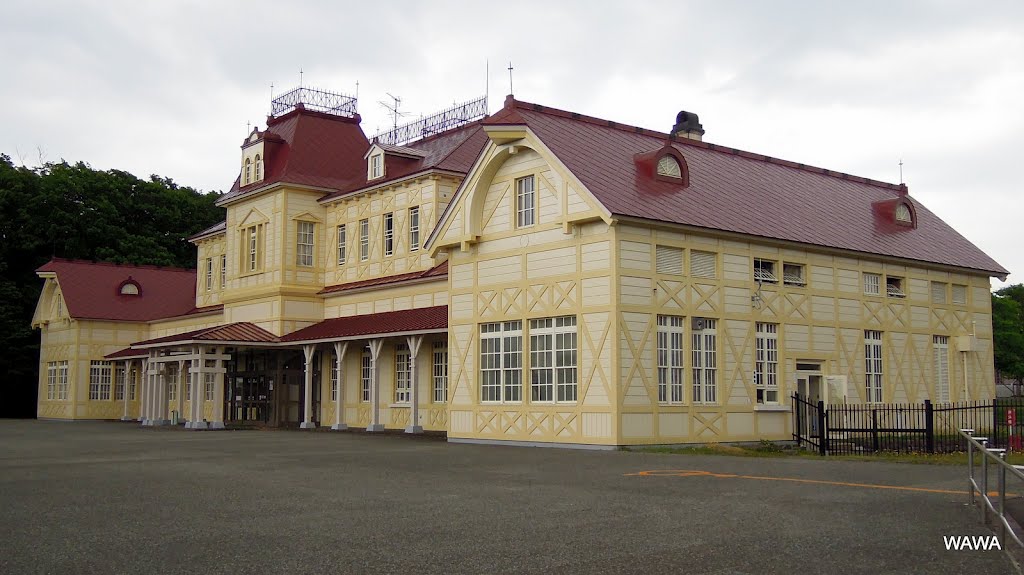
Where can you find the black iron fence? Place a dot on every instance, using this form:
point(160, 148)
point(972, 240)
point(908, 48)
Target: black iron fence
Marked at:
point(847, 428)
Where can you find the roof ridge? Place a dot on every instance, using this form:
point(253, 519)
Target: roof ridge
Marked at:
point(900, 189)
point(118, 265)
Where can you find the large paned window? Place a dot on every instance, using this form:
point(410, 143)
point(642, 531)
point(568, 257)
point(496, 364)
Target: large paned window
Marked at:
point(940, 353)
point(501, 361)
point(304, 244)
point(873, 366)
point(766, 363)
point(440, 372)
point(553, 347)
point(525, 202)
point(670, 359)
point(119, 377)
point(414, 228)
point(364, 240)
point(389, 234)
point(403, 386)
point(365, 374)
point(705, 367)
point(99, 380)
point(342, 244)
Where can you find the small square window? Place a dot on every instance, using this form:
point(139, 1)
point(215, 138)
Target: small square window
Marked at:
point(764, 271)
point(872, 284)
point(793, 275)
point(959, 294)
point(894, 287)
point(938, 292)
point(669, 260)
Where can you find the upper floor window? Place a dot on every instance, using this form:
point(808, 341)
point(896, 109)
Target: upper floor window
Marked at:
point(872, 284)
point(764, 271)
point(60, 301)
point(960, 294)
point(364, 240)
point(668, 260)
point(342, 247)
point(702, 264)
point(793, 275)
point(376, 166)
point(525, 199)
point(259, 168)
point(894, 287)
point(252, 239)
point(304, 244)
point(669, 167)
point(938, 292)
point(389, 234)
point(414, 228)
point(248, 172)
point(129, 287)
point(223, 270)
point(209, 274)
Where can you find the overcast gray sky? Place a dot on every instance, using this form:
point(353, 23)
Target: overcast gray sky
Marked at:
point(167, 87)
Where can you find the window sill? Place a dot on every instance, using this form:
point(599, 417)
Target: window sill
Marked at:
point(769, 408)
point(406, 405)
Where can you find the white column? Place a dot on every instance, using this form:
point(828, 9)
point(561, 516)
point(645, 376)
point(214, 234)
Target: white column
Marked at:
point(180, 385)
point(414, 342)
point(375, 347)
point(307, 414)
point(126, 366)
point(160, 418)
point(217, 419)
point(144, 392)
point(340, 347)
point(198, 389)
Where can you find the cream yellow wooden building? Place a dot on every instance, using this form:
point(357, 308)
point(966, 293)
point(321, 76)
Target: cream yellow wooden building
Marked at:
point(536, 277)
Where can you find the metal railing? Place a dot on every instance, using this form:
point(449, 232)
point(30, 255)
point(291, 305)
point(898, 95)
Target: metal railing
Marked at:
point(998, 457)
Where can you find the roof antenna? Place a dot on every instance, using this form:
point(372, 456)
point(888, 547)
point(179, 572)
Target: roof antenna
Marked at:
point(901, 171)
point(393, 109)
point(300, 76)
point(247, 130)
point(487, 85)
point(510, 92)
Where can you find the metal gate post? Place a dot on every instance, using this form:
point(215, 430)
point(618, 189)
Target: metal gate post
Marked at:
point(822, 431)
point(929, 426)
point(874, 431)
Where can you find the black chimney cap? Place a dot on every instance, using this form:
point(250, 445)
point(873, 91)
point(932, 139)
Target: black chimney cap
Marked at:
point(687, 122)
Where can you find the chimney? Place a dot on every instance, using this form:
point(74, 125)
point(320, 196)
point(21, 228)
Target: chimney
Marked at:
point(688, 126)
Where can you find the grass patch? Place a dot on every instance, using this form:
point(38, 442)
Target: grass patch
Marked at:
point(771, 449)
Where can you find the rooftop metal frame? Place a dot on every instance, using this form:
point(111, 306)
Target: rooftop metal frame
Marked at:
point(457, 115)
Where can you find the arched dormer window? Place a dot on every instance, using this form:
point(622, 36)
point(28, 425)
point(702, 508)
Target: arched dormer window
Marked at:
point(904, 215)
point(248, 172)
point(669, 167)
point(259, 168)
point(129, 287)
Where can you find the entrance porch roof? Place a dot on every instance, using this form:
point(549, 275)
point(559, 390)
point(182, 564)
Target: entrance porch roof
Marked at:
point(390, 323)
point(238, 333)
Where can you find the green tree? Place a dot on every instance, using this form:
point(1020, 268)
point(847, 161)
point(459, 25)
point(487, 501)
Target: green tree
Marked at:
point(73, 211)
point(1008, 331)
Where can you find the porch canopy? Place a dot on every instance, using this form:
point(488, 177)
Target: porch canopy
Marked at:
point(237, 333)
point(384, 324)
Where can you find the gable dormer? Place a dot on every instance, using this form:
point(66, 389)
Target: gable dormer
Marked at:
point(375, 169)
point(383, 158)
point(253, 159)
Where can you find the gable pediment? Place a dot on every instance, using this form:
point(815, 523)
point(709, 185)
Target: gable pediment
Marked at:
point(253, 218)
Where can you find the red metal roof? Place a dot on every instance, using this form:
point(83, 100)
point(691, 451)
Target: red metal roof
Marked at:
point(737, 191)
point(126, 353)
point(438, 271)
point(310, 148)
point(241, 331)
point(389, 322)
point(213, 230)
point(91, 290)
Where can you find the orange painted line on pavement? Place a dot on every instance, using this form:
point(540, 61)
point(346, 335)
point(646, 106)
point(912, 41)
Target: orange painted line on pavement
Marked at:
point(700, 473)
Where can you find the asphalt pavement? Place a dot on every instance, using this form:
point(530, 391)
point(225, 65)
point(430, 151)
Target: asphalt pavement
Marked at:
point(110, 497)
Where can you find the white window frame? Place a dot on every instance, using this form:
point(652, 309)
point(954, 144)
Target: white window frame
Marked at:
point(252, 238)
point(940, 359)
point(342, 244)
point(223, 271)
point(259, 168)
point(526, 202)
point(248, 172)
point(365, 375)
point(188, 381)
point(364, 240)
point(208, 382)
point(794, 274)
point(51, 380)
point(704, 359)
point(671, 358)
point(501, 362)
point(389, 234)
point(414, 228)
point(131, 384)
point(766, 363)
point(403, 374)
point(764, 271)
point(119, 383)
point(894, 287)
point(554, 354)
point(872, 283)
point(334, 378)
point(440, 372)
point(99, 380)
point(62, 380)
point(305, 232)
point(209, 274)
point(669, 167)
point(873, 366)
point(376, 166)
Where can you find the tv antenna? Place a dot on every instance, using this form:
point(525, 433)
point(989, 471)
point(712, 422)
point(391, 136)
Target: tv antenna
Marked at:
point(393, 109)
point(901, 170)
